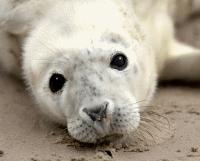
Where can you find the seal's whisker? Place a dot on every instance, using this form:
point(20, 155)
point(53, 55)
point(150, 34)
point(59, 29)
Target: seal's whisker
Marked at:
point(165, 130)
point(48, 47)
point(164, 126)
point(139, 135)
point(155, 135)
point(147, 106)
point(147, 132)
point(152, 124)
point(133, 103)
point(156, 120)
point(159, 115)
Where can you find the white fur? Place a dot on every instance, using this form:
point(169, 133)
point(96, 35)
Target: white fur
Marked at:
point(77, 38)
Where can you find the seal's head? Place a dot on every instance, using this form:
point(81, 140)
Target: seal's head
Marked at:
point(88, 66)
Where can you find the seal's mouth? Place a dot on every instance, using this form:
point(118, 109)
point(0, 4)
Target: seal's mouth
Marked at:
point(103, 127)
point(101, 131)
point(122, 122)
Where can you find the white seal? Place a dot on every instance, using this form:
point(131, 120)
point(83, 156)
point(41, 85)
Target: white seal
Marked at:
point(93, 64)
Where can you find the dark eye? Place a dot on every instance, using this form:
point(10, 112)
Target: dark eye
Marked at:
point(119, 61)
point(56, 82)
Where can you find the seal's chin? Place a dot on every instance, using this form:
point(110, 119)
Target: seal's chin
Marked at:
point(81, 131)
point(124, 121)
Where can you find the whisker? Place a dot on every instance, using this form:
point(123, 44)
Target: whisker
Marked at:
point(140, 136)
point(133, 103)
point(163, 138)
point(152, 124)
point(156, 120)
point(148, 106)
point(147, 132)
point(159, 115)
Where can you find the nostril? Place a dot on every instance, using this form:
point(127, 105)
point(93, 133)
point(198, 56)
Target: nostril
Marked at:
point(91, 114)
point(97, 113)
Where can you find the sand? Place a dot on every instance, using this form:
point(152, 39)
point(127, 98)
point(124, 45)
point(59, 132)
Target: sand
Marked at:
point(25, 135)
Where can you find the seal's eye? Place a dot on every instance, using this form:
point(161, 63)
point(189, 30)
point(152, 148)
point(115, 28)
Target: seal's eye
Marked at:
point(56, 82)
point(119, 61)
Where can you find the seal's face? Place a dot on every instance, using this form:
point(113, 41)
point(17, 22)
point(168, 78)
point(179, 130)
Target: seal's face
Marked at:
point(91, 80)
point(99, 101)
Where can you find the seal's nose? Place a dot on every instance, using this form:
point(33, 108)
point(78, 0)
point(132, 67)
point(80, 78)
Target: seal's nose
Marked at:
point(97, 113)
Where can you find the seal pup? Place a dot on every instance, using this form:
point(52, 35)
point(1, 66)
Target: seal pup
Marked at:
point(93, 65)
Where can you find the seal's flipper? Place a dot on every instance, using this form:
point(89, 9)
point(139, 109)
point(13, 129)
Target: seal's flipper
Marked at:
point(10, 53)
point(17, 17)
point(183, 63)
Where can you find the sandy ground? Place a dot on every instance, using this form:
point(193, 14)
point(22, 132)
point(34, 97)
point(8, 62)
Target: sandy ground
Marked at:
point(26, 136)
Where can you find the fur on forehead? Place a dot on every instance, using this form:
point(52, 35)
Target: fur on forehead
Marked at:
point(54, 35)
point(73, 49)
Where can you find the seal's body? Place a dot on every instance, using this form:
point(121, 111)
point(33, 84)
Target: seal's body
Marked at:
point(90, 64)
